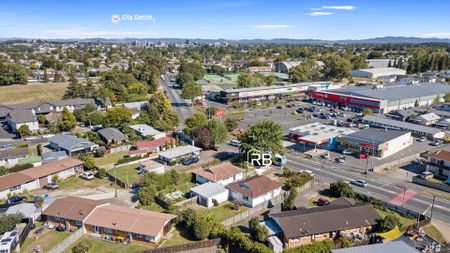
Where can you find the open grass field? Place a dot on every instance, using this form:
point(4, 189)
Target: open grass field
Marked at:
point(15, 94)
point(128, 174)
point(100, 246)
point(78, 182)
point(226, 79)
point(223, 211)
point(47, 240)
point(111, 158)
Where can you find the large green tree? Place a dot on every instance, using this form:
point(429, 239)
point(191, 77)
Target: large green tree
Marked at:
point(219, 131)
point(191, 90)
point(195, 68)
point(117, 116)
point(195, 120)
point(265, 136)
point(159, 113)
point(68, 120)
point(308, 70)
point(337, 67)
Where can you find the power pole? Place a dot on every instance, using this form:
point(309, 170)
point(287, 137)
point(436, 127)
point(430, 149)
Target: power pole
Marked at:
point(432, 206)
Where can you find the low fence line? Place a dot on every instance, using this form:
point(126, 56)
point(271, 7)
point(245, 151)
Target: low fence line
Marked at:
point(73, 237)
point(421, 181)
point(209, 246)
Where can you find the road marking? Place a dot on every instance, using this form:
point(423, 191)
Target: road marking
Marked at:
point(403, 197)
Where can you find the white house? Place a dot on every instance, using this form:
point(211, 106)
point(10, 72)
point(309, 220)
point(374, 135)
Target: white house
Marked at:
point(10, 157)
point(151, 166)
point(254, 190)
point(18, 118)
point(210, 192)
point(223, 173)
point(427, 119)
point(146, 130)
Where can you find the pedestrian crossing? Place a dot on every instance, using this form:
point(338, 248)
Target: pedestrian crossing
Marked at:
point(403, 197)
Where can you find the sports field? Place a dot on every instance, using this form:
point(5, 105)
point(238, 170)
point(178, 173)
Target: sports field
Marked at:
point(32, 92)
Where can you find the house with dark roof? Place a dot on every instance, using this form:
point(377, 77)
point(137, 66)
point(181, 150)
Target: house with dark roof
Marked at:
point(11, 157)
point(112, 135)
point(104, 219)
point(342, 217)
point(71, 145)
point(254, 190)
point(17, 118)
point(222, 173)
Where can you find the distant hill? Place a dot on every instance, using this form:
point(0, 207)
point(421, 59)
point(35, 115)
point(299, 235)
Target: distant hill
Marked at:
point(379, 40)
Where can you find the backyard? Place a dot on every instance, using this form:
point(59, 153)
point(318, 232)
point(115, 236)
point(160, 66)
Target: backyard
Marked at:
point(110, 158)
point(46, 240)
point(223, 211)
point(78, 182)
point(13, 94)
point(127, 174)
point(100, 246)
point(404, 221)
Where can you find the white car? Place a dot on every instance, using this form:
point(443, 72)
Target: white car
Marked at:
point(235, 143)
point(422, 139)
point(307, 171)
point(347, 152)
point(87, 175)
point(360, 182)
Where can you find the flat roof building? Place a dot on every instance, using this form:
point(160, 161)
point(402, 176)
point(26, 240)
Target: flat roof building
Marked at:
point(377, 72)
point(176, 154)
point(318, 134)
point(418, 130)
point(383, 98)
point(376, 142)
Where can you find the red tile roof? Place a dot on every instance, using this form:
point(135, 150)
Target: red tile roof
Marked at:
point(254, 186)
point(153, 143)
point(72, 208)
point(218, 172)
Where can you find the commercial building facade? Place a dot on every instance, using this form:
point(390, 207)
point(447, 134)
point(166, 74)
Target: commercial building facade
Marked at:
point(376, 142)
point(383, 99)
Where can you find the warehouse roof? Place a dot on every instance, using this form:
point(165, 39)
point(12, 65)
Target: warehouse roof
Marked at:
point(401, 124)
point(377, 135)
point(383, 71)
point(396, 91)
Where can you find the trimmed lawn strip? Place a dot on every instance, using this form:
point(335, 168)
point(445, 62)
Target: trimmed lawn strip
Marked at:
point(47, 241)
point(128, 174)
point(223, 211)
point(77, 182)
point(179, 236)
point(434, 233)
point(100, 246)
point(404, 221)
point(112, 158)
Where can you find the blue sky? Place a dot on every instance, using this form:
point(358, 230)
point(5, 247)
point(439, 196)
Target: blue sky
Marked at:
point(233, 19)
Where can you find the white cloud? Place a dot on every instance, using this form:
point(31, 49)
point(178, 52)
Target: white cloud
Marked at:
point(339, 7)
point(316, 9)
point(437, 35)
point(86, 33)
point(270, 26)
point(319, 13)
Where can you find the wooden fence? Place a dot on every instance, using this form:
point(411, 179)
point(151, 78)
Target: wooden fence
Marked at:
point(72, 238)
point(209, 246)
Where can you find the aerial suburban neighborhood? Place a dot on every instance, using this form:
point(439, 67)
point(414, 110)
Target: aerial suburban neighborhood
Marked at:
point(160, 127)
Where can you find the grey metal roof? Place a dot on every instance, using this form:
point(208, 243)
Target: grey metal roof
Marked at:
point(145, 130)
point(179, 151)
point(26, 209)
point(377, 135)
point(71, 143)
point(274, 87)
point(52, 156)
point(209, 190)
point(397, 247)
point(13, 153)
point(21, 116)
point(396, 91)
point(111, 133)
point(401, 124)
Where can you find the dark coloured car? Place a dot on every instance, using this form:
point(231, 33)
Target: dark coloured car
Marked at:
point(322, 202)
point(279, 107)
point(300, 110)
point(190, 160)
point(15, 199)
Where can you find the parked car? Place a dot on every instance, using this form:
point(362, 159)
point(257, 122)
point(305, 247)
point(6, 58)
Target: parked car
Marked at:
point(52, 186)
point(339, 160)
point(322, 202)
point(87, 175)
point(325, 156)
point(235, 143)
point(37, 197)
point(15, 199)
point(437, 143)
point(5, 147)
point(347, 152)
point(422, 139)
point(360, 182)
point(190, 160)
point(307, 171)
point(279, 107)
point(300, 110)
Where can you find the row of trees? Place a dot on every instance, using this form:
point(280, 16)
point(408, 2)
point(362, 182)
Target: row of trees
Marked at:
point(12, 73)
point(206, 133)
point(247, 80)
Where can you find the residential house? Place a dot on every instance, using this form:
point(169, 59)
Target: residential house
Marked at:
point(343, 217)
point(178, 153)
point(210, 193)
point(151, 146)
point(427, 119)
point(104, 219)
point(146, 130)
point(438, 163)
point(11, 157)
point(17, 118)
point(53, 156)
point(112, 135)
point(71, 145)
point(28, 210)
point(403, 115)
point(223, 173)
point(37, 177)
point(151, 166)
point(254, 190)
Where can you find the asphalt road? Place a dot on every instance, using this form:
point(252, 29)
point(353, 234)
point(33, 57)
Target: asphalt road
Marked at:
point(181, 106)
point(379, 186)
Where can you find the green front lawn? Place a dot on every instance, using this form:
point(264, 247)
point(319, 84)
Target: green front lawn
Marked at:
point(404, 221)
point(97, 245)
point(178, 236)
point(47, 240)
point(112, 158)
point(434, 233)
point(223, 211)
point(311, 201)
point(128, 174)
point(78, 182)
